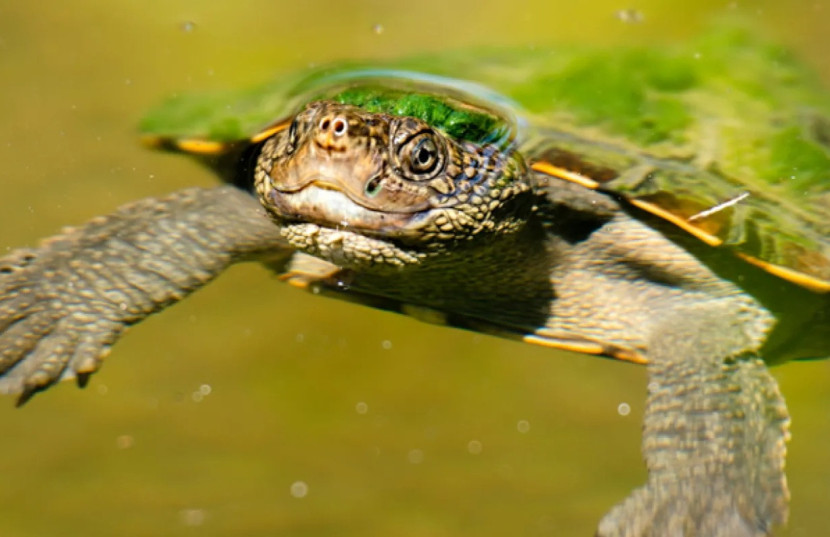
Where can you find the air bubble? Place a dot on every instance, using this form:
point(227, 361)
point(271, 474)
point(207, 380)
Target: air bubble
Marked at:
point(299, 489)
point(415, 456)
point(125, 441)
point(192, 517)
point(630, 16)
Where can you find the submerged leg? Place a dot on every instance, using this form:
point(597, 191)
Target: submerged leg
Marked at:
point(714, 443)
point(64, 303)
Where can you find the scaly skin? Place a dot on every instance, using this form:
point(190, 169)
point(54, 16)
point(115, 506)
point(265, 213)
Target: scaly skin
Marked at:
point(64, 303)
point(716, 425)
point(461, 234)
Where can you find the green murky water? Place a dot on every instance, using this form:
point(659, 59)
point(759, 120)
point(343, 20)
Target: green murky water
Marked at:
point(255, 409)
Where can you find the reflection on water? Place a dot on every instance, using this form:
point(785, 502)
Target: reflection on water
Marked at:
point(253, 408)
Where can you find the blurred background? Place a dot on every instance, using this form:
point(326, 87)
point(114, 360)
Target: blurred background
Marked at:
point(256, 409)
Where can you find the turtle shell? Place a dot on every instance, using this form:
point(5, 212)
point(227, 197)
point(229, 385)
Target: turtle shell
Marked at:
point(726, 136)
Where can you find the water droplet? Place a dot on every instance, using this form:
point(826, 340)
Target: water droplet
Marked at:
point(377, 28)
point(299, 338)
point(299, 489)
point(205, 389)
point(187, 26)
point(386, 344)
point(523, 426)
point(361, 408)
point(623, 409)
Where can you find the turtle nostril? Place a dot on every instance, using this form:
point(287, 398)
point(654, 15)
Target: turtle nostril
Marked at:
point(339, 127)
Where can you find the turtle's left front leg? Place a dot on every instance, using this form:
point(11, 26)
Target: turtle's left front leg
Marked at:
point(714, 442)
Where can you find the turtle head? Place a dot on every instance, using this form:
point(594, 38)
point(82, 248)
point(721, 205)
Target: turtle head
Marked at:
point(341, 175)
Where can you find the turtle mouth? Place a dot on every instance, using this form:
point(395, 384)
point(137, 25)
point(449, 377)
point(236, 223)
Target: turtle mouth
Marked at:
point(321, 202)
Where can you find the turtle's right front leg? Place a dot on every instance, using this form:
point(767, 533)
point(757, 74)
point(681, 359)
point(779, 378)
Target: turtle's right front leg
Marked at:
point(714, 441)
point(64, 303)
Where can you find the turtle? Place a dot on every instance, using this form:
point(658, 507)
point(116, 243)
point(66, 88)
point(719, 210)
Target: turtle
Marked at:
point(666, 207)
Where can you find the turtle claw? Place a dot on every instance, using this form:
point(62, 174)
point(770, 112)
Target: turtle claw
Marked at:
point(60, 356)
point(32, 385)
point(82, 379)
point(24, 397)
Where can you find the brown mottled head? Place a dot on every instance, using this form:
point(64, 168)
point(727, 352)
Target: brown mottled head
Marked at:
point(390, 178)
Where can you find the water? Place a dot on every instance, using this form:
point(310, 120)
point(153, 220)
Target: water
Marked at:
point(256, 409)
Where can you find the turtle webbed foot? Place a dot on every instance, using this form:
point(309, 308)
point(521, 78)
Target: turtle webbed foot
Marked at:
point(50, 329)
point(64, 303)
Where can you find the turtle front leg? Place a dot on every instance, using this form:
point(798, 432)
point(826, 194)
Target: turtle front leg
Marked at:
point(714, 443)
point(64, 303)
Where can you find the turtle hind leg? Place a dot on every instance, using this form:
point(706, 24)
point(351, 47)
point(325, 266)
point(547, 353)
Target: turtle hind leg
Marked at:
point(714, 442)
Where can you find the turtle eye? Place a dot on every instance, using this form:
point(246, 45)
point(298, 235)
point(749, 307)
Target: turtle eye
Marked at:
point(421, 155)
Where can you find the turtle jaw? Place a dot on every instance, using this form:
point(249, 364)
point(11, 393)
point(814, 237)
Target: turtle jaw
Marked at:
point(321, 202)
point(325, 222)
